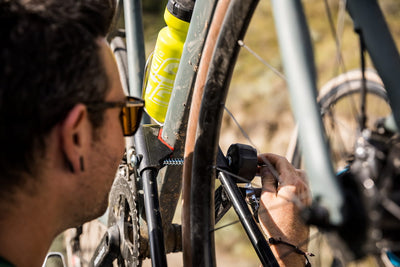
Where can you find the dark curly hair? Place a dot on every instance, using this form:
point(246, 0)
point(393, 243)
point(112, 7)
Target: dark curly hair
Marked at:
point(49, 62)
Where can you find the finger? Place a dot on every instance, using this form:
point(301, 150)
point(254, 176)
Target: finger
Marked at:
point(284, 172)
point(302, 175)
point(303, 187)
point(261, 158)
point(276, 177)
point(273, 158)
point(280, 163)
point(268, 181)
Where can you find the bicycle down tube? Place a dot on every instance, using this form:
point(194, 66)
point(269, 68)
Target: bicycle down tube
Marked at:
point(298, 62)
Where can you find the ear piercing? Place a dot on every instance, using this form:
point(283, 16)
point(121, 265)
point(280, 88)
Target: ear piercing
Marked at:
point(81, 164)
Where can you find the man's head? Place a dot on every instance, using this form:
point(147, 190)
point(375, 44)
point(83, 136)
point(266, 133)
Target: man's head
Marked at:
point(52, 58)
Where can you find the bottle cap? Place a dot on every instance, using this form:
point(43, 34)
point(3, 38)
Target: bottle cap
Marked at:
point(182, 9)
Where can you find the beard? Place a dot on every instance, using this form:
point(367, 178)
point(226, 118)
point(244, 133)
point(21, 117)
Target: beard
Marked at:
point(95, 185)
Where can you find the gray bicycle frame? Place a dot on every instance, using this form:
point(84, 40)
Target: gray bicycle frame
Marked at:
point(298, 61)
point(300, 71)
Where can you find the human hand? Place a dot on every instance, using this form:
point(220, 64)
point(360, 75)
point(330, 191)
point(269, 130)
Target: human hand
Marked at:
point(280, 206)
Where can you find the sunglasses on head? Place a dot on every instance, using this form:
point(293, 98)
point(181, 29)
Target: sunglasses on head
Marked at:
point(131, 112)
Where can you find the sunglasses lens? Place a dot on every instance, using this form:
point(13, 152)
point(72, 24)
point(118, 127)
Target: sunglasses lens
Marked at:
point(131, 117)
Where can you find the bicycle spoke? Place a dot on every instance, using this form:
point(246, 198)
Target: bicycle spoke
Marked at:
point(240, 127)
point(277, 72)
point(340, 23)
point(337, 129)
point(336, 35)
point(225, 225)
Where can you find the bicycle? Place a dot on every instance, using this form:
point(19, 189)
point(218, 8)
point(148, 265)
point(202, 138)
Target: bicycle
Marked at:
point(198, 233)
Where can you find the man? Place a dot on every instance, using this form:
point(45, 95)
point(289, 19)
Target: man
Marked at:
point(60, 147)
point(60, 130)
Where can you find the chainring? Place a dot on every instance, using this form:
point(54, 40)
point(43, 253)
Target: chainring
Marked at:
point(123, 213)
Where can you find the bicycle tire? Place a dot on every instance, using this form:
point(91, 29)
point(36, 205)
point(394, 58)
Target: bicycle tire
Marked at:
point(349, 83)
point(205, 150)
point(192, 127)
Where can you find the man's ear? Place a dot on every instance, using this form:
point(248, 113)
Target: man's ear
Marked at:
point(75, 130)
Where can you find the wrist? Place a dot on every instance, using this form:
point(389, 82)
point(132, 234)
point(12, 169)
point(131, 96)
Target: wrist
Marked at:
point(289, 254)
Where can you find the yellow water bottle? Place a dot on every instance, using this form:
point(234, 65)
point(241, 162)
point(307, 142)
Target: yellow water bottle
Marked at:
point(166, 58)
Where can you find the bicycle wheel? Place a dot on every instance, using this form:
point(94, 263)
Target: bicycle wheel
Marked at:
point(341, 124)
point(210, 120)
point(339, 101)
point(202, 208)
